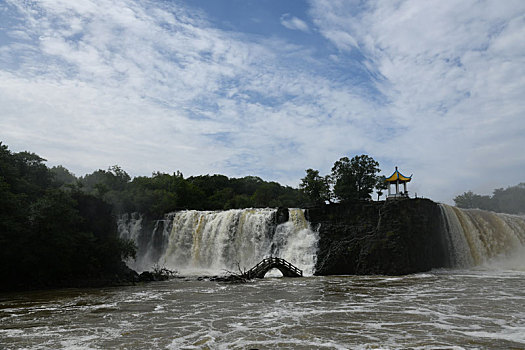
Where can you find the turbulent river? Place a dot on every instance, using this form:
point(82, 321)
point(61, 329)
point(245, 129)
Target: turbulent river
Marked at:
point(462, 309)
point(479, 304)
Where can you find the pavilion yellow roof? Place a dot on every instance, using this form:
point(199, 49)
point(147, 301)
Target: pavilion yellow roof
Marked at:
point(397, 176)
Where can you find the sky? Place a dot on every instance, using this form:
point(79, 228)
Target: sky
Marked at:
point(269, 88)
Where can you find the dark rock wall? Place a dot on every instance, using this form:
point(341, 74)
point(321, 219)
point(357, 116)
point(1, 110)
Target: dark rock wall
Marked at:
point(392, 238)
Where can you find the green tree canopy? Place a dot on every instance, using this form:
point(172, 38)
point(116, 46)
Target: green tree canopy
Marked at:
point(470, 200)
point(316, 187)
point(163, 193)
point(63, 176)
point(355, 178)
point(381, 186)
point(510, 200)
point(49, 235)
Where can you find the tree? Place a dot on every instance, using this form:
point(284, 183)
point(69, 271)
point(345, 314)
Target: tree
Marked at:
point(343, 180)
point(266, 195)
point(510, 200)
point(63, 176)
point(381, 186)
point(315, 187)
point(32, 174)
point(355, 178)
point(52, 235)
point(102, 181)
point(470, 200)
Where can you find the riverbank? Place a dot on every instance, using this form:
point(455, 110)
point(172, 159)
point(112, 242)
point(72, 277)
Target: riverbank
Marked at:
point(124, 276)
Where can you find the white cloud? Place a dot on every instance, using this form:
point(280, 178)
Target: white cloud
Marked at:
point(294, 23)
point(453, 74)
point(343, 40)
point(148, 88)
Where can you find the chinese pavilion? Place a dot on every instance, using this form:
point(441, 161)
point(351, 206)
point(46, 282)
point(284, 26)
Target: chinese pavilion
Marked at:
point(396, 179)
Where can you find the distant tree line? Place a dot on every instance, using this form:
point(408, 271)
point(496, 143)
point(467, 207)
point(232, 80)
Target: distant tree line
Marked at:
point(510, 200)
point(163, 193)
point(350, 179)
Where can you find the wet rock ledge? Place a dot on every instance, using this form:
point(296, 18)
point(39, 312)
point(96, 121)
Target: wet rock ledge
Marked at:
point(389, 238)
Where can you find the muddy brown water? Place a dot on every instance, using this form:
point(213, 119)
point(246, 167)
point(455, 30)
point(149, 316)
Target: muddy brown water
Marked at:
point(461, 309)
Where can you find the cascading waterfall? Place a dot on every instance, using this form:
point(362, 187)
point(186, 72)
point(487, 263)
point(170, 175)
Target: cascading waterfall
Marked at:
point(296, 242)
point(149, 240)
point(476, 236)
point(212, 242)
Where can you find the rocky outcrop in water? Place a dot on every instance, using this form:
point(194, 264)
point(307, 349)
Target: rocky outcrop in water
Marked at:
point(392, 237)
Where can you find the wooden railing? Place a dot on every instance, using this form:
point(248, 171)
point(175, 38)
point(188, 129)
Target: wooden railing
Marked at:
point(265, 265)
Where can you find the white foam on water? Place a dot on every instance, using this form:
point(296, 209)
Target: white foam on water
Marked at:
point(78, 343)
point(274, 273)
point(514, 334)
point(330, 312)
point(513, 260)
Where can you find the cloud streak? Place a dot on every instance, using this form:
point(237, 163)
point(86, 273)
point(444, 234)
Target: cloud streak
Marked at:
point(294, 23)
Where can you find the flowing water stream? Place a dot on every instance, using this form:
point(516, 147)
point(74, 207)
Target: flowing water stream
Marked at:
point(480, 304)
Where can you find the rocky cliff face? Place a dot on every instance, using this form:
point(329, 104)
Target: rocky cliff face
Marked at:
point(392, 238)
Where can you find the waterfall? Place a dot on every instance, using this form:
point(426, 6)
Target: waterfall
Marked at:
point(476, 237)
point(149, 240)
point(212, 242)
point(296, 242)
